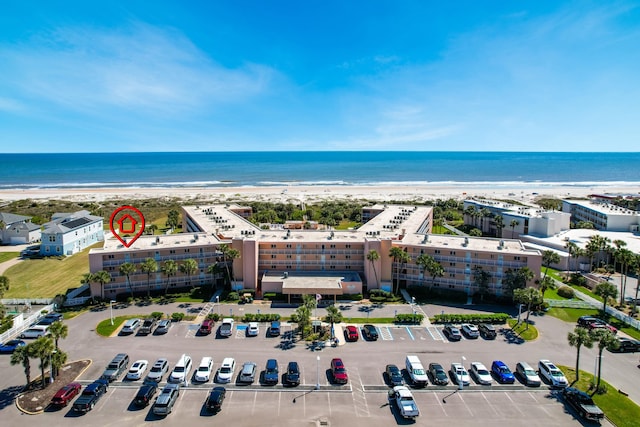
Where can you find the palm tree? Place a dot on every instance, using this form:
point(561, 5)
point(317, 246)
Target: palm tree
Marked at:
point(571, 249)
point(527, 296)
point(333, 316)
point(549, 257)
point(372, 257)
point(546, 283)
point(481, 278)
point(42, 349)
point(87, 279)
point(214, 270)
point(22, 356)
point(189, 267)
point(513, 224)
point(228, 255)
point(58, 359)
point(102, 277)
point(395, 253)
point(578, 338)
point(4, 285)
point(605, 339)
point(499, 220)
point(169, 268)
point(149, 266)
point(435, 269)
point(605, 290)
point(424, 261)
point(486, 213)
point(636, 267)
point(127, 269)
point(58, 330)
point(626, 258)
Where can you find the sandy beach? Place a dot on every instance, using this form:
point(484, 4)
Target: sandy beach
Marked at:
point(420, 193)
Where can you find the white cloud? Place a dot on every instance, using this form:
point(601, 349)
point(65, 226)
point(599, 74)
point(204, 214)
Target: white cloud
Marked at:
point(140, 68)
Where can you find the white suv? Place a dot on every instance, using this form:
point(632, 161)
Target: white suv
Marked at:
point(552, 374)
point(225, 372)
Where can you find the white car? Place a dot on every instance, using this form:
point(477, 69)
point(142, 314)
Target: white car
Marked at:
point(253, 330)
point(225, 372)
point(480, 373)
point(552, 374)
point(158, 370)
point(137, 370)
point(34, 332)
point(460, 374)
point(203, 373)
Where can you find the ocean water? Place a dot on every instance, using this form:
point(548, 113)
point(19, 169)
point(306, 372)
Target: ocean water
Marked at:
point(232, 169)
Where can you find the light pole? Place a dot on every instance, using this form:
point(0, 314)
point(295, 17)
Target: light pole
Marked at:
point(111, 310)
point(460, 383)
point(218, 303)
point(51, 378)
point(317, 372)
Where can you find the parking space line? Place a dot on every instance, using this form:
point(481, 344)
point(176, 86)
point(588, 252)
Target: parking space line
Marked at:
point(515, 405)
point(329, 402)
point(440, 402)
point(409, 332)
point(192, 330)
point(495, 411)
point(279, 402)
point(385, 333)
point(241, 331)
point(465, 404)
point(435, 333)
point(255, 399)
point(358, 395)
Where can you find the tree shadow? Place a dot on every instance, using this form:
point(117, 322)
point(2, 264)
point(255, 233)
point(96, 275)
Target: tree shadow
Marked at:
point(9, 394)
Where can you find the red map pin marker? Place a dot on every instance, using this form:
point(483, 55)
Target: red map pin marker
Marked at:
point(127, 223)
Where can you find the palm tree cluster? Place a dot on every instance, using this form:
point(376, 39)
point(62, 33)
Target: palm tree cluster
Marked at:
point(169, 269)
point(46, 350)
point(581, 337)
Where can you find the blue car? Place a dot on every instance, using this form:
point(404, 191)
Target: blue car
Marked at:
point(10, 346)
point(502, 372)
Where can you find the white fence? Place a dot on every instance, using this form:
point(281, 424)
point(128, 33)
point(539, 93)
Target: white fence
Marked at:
point(22, 322)
point(26, 301)
point(70, 302)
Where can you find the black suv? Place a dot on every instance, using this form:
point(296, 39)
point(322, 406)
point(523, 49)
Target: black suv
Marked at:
point(271, 372)
point(145, 394)
point(487, 331)
point(370, 332)
point(292, 376)
point(627, 345)
point(452, 332)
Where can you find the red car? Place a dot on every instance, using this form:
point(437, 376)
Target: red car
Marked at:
point(66, 394)
point(339, 372)
point(351, 333)
point(599, 324)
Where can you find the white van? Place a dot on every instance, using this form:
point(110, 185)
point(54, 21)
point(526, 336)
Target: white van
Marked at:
point(416, 371)
point(204, 370)
point(181, 370)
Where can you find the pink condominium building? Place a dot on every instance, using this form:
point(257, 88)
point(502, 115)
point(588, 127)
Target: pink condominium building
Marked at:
point(311, 261)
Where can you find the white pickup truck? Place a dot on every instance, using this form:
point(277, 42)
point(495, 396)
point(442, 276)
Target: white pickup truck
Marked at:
point(404, 399)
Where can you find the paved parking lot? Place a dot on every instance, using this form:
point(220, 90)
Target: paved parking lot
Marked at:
point(362, 403)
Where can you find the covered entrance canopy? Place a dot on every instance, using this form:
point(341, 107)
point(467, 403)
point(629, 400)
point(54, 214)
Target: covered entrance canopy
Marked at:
point(312, 283)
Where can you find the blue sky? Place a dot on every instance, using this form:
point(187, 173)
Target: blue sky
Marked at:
point(114, 76)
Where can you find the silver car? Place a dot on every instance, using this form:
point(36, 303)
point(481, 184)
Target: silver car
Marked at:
point(158, 370)
point(163, 327)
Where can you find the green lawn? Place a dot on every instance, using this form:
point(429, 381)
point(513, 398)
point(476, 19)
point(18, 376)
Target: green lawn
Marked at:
point(553, 294)
point(526, 333)
point(552, 273)
point(105, 328)
point(439, 229)
point(621, 410)
point(6, 256)
point(47, 277)
point(571, 315)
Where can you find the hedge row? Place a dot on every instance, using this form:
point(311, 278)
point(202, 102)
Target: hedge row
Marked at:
point(267, 317)
point(497, 318)
point(409, 318)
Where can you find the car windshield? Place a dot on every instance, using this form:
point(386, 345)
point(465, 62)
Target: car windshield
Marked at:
point(504, 370)
point(556, 373)
point(179, 369)
point(418, 371)
point(339, 369)
point(441, 374)
point(529, 372)
point(203, 369)
point(156, 369)
point(406, 399)
point(482, 371)
point(225, 370)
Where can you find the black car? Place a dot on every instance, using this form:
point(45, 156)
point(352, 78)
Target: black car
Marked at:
point(271, 372)
point(582, 403)
point(394, 375)
point(438, 374)
point(369, 332)
point(215, 399)
point(145, 394)
point(452, 332)
point(585, 321)
point(292, 376)
point(487, 331)
point(627, 345)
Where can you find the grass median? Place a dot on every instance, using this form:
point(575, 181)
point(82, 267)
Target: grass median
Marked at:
point(525, 331)
point(621, 410)
point(6, 256)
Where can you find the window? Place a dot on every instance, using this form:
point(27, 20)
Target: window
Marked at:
point(347, 246)
point(437, 251)
point(273, 246)
point(452, 264)
point(288, 246)
point(452, 274)
point(348, 267)
point(52, 238)
point(289, 256)
point(347, 256)
point(332, 246)
point(172, 251)
point(186, 250)
point(273, 256)
point(452, 252)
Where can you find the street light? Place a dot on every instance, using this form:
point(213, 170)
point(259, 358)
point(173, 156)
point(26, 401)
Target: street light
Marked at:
point(317, 372)
point(51, 378)
point(218, 303)
point(460, 383)
point(111, 310)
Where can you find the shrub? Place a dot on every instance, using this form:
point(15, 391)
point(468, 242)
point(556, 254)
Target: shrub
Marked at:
point(261, 317)
point(409, 318)
point(497, 318)
point(176, 317)
point(566, 292)
point(213, 316)
point(233, 296)
point(157, 315)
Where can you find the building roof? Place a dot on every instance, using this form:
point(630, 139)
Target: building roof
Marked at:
point(329, 283)
point(602, 207)
point(64, 223)
point(9, 218)
point(580, 236)
point(152, 242)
